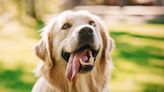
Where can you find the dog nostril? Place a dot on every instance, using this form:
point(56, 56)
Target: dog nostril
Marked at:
point(90, 31)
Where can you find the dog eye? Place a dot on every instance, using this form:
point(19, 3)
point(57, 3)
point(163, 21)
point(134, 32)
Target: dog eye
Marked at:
point(66, 26)
point(92, 23)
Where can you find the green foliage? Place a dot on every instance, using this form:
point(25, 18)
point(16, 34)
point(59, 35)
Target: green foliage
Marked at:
point(40, 24)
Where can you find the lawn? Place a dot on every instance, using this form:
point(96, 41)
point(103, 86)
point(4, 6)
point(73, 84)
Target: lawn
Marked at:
point(138, 57)
point(17, 60)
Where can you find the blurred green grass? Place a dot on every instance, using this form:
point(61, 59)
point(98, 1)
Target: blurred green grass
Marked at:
point(138, 58)
point(16, 80)
point(17, 60)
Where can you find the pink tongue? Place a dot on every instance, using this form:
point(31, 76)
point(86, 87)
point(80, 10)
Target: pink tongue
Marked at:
point(72, 67)
point(74, 64)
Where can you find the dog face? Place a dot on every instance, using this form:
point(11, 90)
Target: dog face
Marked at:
point(76, 40)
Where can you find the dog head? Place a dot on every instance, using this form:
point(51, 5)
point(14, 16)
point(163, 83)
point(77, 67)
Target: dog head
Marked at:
point(75, 40)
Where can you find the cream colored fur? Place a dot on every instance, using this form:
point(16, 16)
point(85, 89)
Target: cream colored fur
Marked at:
point(53, 67)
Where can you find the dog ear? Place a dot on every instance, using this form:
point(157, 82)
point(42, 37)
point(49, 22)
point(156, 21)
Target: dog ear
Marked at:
point(44, 51)
point(108, 43)
point(44, 48)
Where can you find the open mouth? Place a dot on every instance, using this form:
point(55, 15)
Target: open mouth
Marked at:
point(81, 60)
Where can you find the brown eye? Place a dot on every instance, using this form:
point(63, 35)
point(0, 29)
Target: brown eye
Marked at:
point(92, 23)
point(66, 26)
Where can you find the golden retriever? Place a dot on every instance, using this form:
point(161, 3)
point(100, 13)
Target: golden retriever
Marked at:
point(75, 49)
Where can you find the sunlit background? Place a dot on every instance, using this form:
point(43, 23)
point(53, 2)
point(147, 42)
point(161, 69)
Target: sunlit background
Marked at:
point(137, 26)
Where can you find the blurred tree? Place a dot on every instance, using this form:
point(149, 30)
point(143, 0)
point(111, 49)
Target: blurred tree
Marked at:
point(68, 4)
point(39, 9)
point(110, 2)
point(30, 8)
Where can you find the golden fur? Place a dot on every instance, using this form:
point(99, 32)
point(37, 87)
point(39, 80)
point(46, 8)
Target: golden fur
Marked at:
point(53, 67)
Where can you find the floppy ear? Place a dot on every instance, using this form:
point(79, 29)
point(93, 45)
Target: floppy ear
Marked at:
point(107, 45)
point(107, 41)
point(44, 48)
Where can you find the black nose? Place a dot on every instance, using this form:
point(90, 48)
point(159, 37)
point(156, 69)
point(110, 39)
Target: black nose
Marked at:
point(86, 31)
point(86, 35)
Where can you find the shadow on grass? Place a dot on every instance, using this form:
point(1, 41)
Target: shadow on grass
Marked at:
point(115, 34)
point(140, 55)
point(153, 88)
point(158, 20)
point(11, 79)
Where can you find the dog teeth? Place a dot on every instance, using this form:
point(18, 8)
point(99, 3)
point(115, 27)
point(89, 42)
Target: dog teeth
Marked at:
point(91, 61)
point(82, 62)
point(90, 54)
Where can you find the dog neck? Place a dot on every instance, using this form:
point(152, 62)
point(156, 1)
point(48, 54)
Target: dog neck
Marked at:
point(93, 81)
